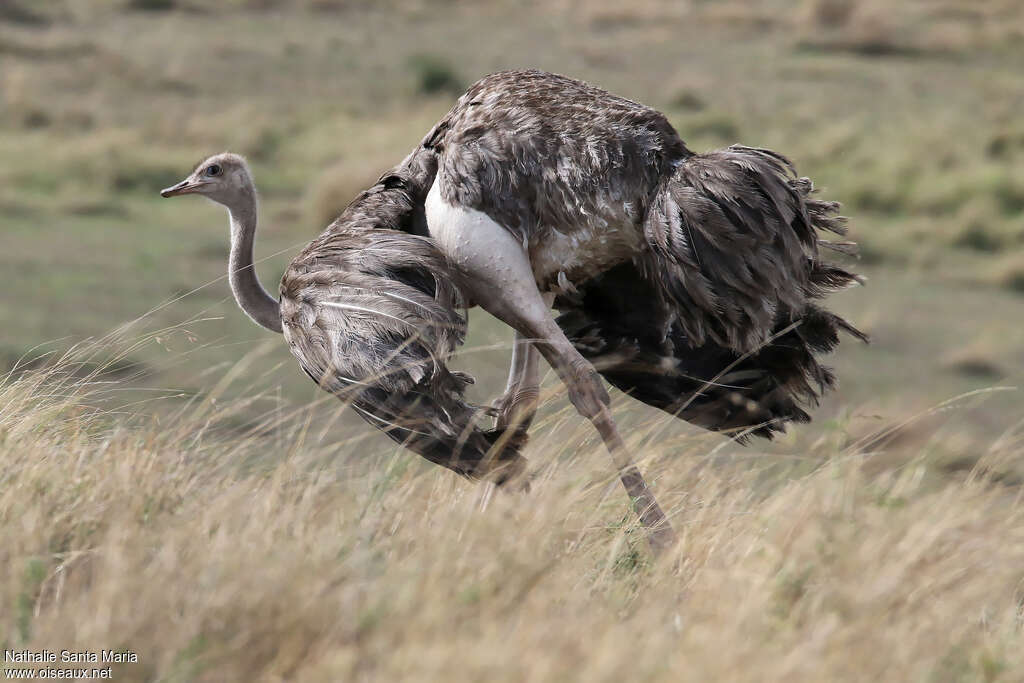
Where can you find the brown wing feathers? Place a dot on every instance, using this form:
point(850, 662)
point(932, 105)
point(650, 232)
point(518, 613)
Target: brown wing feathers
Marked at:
point(372, 315)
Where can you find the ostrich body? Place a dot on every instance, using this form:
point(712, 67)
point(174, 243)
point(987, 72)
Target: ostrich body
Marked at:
point(689, 280)
point(371, 314)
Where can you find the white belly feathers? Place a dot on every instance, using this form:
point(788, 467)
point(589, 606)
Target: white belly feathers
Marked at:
point(557, 256)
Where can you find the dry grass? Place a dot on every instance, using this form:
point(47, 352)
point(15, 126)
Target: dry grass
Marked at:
point(182, 540)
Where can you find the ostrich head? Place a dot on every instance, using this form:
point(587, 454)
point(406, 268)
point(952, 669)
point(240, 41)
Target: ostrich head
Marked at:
point(224, 178)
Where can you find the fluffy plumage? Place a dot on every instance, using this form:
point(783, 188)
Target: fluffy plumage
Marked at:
point(690, 280)
point(617, 322)
point(372, 315)
point(734, 246)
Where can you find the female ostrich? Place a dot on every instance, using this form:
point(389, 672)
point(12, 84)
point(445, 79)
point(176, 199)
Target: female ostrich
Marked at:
point(370, 312)
point(686, 279)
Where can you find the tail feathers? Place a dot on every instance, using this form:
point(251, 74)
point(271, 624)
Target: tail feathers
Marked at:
point(614, 323)
point(759, 393)
point(734, 238)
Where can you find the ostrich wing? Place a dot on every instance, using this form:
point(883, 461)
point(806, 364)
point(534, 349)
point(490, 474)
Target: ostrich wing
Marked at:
point(372, 316)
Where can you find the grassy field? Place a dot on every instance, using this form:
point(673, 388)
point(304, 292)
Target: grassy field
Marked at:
point(181, 540)
point(180, 489)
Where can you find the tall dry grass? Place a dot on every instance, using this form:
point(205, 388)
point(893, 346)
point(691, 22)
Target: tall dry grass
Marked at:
point(221, 550)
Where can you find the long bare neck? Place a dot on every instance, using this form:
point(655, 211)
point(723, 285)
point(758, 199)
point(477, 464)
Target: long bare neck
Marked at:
point(248, 291)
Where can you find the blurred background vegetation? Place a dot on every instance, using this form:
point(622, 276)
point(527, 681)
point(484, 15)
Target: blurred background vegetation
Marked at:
point(907, 112)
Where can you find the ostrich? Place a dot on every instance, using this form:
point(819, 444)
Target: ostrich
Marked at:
point(687, 280)
point(370, 312)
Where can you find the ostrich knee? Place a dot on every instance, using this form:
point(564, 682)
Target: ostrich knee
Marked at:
point(586, 389)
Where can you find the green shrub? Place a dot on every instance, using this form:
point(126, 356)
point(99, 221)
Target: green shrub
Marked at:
point(688, 100)
point(152, 5)
point(716, 125)
point(146, 178)
point(979, 237)
point(18, 12)
point(435, 75)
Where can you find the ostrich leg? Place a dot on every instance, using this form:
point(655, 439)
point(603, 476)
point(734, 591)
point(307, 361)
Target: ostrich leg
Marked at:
point(498, 275)
point(518, 406)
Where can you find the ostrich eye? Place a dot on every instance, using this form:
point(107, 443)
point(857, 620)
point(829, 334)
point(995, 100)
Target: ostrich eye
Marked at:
point(213, 170)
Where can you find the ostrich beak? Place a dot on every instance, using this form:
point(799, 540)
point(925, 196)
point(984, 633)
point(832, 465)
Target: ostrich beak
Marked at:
point(184, 187)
